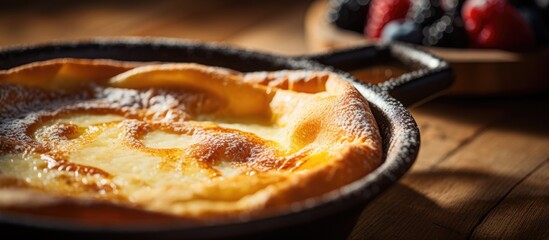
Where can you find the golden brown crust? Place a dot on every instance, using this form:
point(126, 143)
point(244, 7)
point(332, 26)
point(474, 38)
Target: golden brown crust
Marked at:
point(322, 136)
point(65, 73)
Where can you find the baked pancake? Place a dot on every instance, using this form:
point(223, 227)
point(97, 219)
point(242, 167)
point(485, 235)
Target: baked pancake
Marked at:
point(102, 141)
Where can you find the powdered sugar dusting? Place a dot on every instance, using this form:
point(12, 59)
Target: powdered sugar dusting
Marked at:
point(21, 108)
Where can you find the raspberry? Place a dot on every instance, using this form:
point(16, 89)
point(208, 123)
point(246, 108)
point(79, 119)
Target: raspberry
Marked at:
point(382, 12)
point(496, 24)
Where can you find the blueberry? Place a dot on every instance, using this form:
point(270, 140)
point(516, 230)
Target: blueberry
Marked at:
point(402, 30)
point(534, 18)
point(349, 14)
point(425, 12)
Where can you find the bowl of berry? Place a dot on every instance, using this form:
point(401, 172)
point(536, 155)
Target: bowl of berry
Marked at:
point(496, 47)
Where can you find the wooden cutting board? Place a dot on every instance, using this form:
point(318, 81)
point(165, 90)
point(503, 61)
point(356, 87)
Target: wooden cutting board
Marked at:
point(478, 71)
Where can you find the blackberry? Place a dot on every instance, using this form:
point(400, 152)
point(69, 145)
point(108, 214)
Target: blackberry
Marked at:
point(425, 12)
point(535, 13)
point(452, 7)
point(448, 31)
point(522, 3)
point(543, 5)
point(534, 18)
point(349, 14)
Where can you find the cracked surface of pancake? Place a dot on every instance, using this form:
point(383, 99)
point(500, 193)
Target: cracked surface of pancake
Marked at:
point(197, 142)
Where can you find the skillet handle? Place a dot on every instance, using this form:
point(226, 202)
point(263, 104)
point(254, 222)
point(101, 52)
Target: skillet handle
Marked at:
point(430, 76)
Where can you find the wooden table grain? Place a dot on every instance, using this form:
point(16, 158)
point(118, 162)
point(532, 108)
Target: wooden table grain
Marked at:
point(483, 167)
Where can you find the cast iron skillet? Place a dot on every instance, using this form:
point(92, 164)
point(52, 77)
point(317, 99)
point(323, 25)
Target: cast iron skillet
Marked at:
point(332, 219)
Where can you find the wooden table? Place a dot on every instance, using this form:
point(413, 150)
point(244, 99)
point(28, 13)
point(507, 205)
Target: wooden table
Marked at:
point(483, 168)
